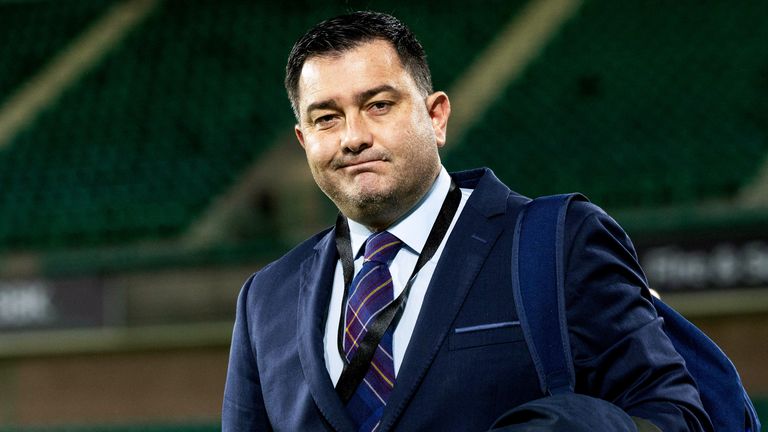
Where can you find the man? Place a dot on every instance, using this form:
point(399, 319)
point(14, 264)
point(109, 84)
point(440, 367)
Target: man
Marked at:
point(402, 316)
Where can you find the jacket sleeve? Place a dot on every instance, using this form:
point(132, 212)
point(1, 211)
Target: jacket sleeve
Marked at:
point(243, 407)
point(621, 353)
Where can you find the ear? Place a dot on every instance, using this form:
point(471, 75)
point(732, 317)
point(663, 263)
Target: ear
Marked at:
point(439, 109)
point(299, 135)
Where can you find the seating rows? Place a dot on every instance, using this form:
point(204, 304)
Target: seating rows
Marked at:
point(635, 106)
point(630, 106)
point(34, 31)
point(141, 144)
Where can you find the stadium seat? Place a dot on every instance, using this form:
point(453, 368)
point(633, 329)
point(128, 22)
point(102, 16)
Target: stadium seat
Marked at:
point(636, 106)
point(138, 147)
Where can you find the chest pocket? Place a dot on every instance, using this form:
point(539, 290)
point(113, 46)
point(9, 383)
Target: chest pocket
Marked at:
point(485, 334)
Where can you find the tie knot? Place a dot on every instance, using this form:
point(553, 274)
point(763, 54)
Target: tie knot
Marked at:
point(382, 247)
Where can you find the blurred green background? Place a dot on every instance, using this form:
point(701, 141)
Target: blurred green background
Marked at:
point(148, 166)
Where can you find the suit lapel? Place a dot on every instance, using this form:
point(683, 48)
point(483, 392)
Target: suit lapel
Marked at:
point(465, 252)
point(316, 281)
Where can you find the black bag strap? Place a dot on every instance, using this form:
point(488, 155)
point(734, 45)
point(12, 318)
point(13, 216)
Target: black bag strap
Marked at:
point(538, 284)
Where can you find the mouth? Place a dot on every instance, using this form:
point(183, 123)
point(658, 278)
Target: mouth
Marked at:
point(360, 165)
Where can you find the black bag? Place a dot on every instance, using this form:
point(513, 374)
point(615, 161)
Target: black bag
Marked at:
point(540, 301)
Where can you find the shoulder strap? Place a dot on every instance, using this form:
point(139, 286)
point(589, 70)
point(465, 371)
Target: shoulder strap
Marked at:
point(537, 281)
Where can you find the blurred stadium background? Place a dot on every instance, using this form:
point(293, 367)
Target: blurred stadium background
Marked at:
point(148, 166)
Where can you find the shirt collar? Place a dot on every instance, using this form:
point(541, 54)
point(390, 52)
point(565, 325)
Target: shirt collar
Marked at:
point(412, 228)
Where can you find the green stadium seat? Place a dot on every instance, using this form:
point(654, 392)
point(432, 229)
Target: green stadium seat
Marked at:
point(142, 144)
point(637, 106)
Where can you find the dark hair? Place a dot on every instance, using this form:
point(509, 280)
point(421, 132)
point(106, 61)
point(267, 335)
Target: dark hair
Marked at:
point(346, 32)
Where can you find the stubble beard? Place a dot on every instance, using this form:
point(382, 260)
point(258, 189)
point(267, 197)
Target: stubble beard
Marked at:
point(380, 206)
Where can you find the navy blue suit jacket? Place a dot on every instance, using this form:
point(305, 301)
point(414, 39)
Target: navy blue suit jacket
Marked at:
point(465, 380)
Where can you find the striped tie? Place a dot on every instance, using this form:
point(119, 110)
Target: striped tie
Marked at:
point(371, 291)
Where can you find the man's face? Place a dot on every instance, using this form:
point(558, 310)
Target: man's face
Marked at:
point(371, 138)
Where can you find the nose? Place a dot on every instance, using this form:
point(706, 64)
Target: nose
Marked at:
point(357, 136)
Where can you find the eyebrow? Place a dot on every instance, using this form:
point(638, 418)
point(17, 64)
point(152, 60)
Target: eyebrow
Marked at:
point(364, 96)
point(359, 98)
point(326, 104)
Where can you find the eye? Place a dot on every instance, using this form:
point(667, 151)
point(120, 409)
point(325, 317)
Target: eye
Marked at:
point(325, 122)
point(381, 107)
